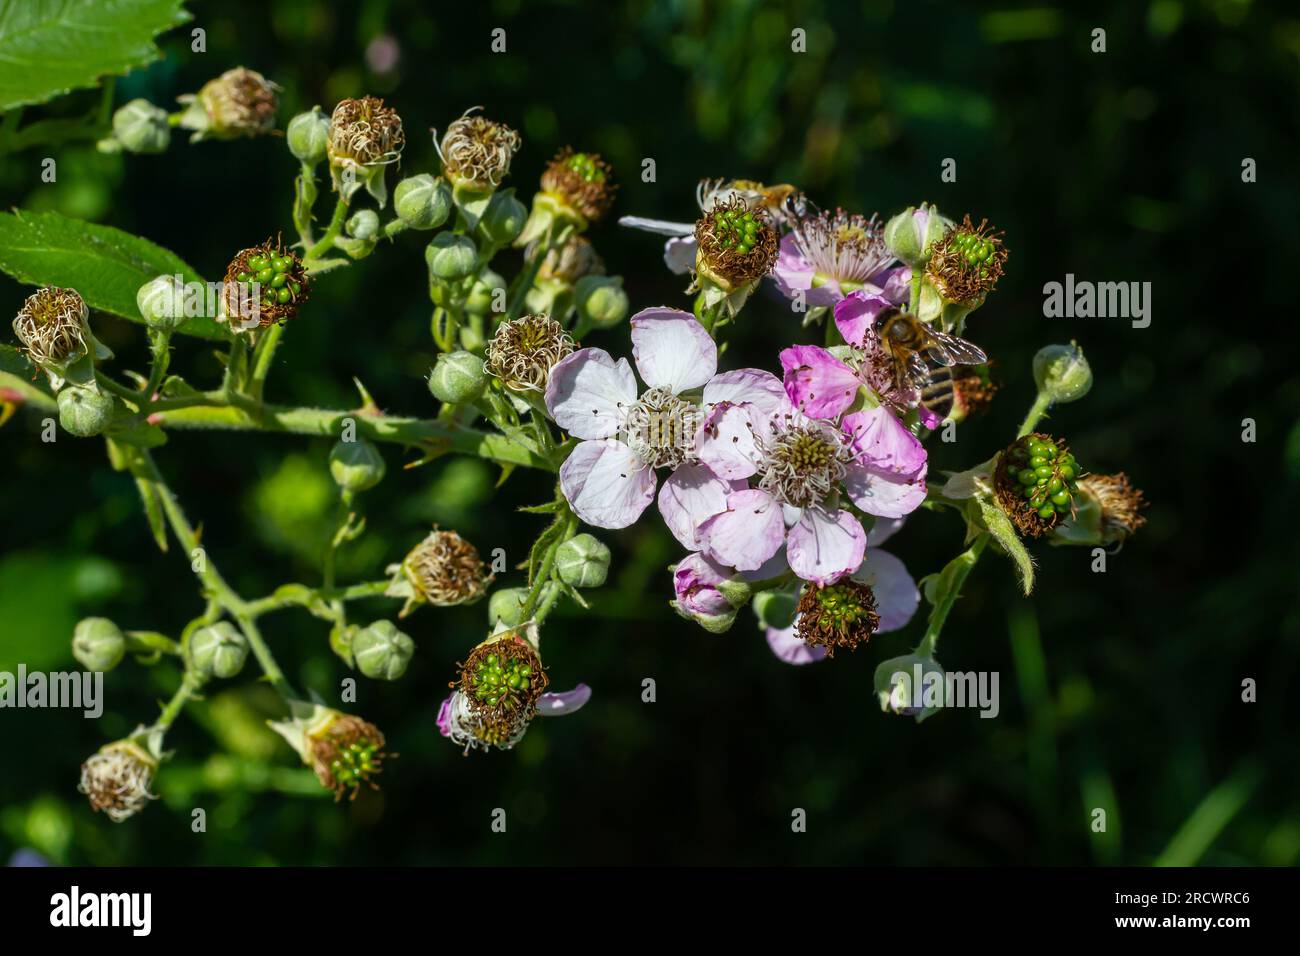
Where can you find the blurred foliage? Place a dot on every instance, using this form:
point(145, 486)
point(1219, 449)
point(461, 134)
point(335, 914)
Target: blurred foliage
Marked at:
point(1119, 690)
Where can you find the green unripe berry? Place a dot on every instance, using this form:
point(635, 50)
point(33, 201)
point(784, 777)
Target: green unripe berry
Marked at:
point(142, 127)
point(451, 257)
point(308, 136)
point(97, 644)
point(218, 650)
point(583, 561)
point(382, 651)
point(363, 225)
point(162, 303)
point(84, 411)
point(422, 202)
point(457, 378)
point(356, 465)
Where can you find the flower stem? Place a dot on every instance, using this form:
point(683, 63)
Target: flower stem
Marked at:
point(1036, 412)
point(940, 613)
point(332, 231)
point(527, 277)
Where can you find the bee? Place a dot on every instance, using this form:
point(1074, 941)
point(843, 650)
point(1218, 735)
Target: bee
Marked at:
point(922, 358)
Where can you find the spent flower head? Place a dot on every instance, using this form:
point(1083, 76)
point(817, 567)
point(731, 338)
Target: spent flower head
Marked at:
point(523, 351)
point(1108, 511)
point(52, 326)
point(345, 752)
point(443, 570)
point(837, 616)
point(1036, 482)
point(240, 102)
point(264, 284)
point(116, 778)
point(476, 151)
point(737, 244)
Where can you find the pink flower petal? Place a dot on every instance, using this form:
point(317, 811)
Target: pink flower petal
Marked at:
point(822, 547)
point(747, 534)
point(558, 704)
point(695, 585)
point(818, 383)
point(589, 393)
point(726, 442)
point(881, 441)
point(882, 493)
point(755, 387)
point(672, 350)
point(679, 254)
point(605, 484)
point(691, 494)
point(785, 644)
point(794, 274)
point(855, 315)
point(897, 597)
point(883, 530)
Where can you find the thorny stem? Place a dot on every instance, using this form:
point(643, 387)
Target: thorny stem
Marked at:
point(544, 574)
point(263, 356)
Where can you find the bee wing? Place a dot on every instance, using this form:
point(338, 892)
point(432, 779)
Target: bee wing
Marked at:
point(918, 373)
point(660, 227)
point(950, 350)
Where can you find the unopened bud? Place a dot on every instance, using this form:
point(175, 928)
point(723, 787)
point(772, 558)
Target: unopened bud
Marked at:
point(382, 651)
point(601, 300)
point(583, 561)
point(162, 303)
point(1062, 373)
point(218, 650)
point(356, 465)
point(422, 202)
point(308, 136)
point(504, 217)
point(97, 644)
point(451, 257)
point(457, 377)
point(364, 224)
point(84, 411)
point(142, 127)
point(911, 233)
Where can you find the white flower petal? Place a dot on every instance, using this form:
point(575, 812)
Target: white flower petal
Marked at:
point(589, 393)
point(605, 484)
point(672, 350)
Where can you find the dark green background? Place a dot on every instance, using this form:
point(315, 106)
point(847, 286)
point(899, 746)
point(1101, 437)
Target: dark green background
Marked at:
point(1120, 690)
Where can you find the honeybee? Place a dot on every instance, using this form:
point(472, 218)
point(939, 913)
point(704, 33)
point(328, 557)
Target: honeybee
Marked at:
point(922, 358)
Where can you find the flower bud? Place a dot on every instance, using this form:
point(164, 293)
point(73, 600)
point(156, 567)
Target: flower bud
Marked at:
point(707, 593)
point(451, 257)
point(308, 136)
point(601, 300)
point(142, 127)
point(382, 651)
point(1062, 373)
point(97, 644)
point(910, 686)
point(911, 233)
point(162, 303)
point(775, 608)
point(422, 202)
point(364, 224)
point(583, 561)
point(218, 650)
point(356, 465)
point(484, 296)
point(506, 605)
point(457, 377)
point(84, 410)
point(504, 217)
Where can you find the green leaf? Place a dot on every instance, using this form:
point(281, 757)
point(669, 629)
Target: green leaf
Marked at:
point(105, 265)
point(48, 47)
point(153, 511)
point(1004, 533)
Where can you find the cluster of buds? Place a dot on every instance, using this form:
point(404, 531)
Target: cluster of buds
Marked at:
point(264, 284)
point(443, 570)
point(238, 103)
point(345, 752)
point(522, 352)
